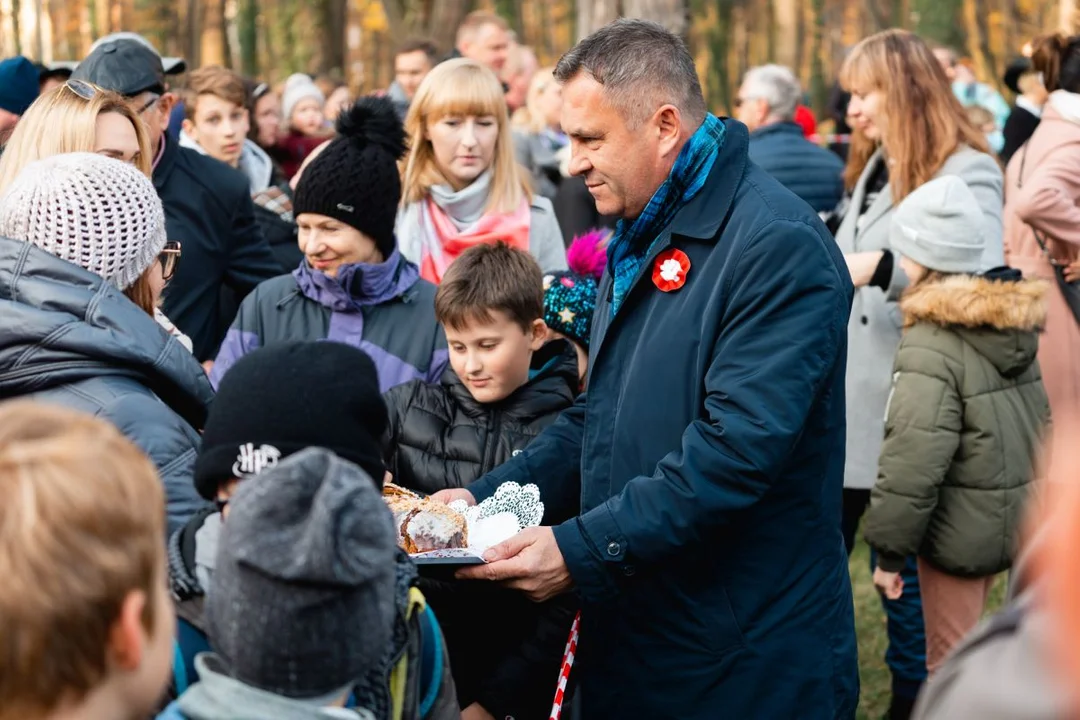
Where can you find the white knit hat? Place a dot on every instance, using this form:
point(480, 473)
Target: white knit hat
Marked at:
point(298, 87)
point(98, 213)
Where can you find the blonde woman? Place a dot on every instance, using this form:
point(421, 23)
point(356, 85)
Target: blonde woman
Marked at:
point(538, 137)
point(76, 117)
point(905, 134)
point(81, 117)
point(462, 185)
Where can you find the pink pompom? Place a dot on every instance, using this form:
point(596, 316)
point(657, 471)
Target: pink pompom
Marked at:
point(587, 255)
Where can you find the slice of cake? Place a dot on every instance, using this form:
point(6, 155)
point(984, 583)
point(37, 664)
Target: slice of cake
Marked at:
point(433, 526)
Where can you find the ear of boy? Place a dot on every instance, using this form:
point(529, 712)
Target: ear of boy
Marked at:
point(538, 334)
point(127, 638)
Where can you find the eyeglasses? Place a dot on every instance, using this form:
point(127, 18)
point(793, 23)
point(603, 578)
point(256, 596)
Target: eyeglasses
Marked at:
point(151, 103)
point(82, 88)
point(169, 258)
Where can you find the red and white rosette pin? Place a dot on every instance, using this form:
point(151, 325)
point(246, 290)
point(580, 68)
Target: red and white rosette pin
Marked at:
point(670, 270)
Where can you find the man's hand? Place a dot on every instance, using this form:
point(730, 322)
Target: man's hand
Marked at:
point(890, 584)
point(1072, 271)
point(862, 265)
point(448, 496)
point(530, 562)
point(476, 711)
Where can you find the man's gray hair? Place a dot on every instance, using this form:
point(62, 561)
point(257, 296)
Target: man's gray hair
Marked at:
point(777, 86)
point(642, 66)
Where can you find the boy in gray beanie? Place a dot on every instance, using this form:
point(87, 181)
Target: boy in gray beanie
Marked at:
point(303, 603)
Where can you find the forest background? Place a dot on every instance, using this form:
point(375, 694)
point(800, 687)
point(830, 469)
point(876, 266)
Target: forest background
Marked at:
point(354, 40)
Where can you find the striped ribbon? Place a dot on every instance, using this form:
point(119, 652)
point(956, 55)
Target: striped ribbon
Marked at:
point(564, 671)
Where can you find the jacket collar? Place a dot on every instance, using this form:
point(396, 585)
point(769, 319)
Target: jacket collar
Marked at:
point(256, 165)
point(702, 217)
point(164, 169)
point(357, 285)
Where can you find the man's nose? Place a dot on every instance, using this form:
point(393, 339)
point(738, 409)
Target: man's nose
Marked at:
point(579, 164)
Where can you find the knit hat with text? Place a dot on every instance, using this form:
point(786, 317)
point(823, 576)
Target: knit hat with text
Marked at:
point(281, 399)
point(95, 212)
point(355, 179)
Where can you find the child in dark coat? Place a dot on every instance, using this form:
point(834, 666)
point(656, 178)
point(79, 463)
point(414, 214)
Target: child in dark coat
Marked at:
point(505, 385)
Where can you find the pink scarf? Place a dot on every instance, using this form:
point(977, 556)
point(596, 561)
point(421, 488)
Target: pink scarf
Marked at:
point(511, 228)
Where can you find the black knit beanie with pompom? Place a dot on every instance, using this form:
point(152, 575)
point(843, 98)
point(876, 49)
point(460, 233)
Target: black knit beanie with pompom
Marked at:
point(355, 179)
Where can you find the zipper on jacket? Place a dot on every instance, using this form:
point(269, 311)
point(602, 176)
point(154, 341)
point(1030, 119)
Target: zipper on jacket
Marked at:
point(487, 461)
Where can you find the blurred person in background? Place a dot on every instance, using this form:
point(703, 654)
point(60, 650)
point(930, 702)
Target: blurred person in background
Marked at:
point(338, 97)
point(462, 185)
point(485, 38)
point(1042, 218)
point(18, 89)
point(766, 103)
point(303, 113)
point(412, 62)
point(969, 91)
point(538, 137)
point(1022, 78)
point(517, 75)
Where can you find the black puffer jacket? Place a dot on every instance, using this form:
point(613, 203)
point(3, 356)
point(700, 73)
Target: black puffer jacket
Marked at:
point(440, 437)
point(505, 651)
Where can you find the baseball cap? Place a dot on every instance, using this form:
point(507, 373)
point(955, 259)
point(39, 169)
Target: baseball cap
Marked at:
point(124, 66)
point(171, 65)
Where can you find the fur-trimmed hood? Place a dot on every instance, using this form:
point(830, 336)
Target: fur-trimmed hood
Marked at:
point(999, 318)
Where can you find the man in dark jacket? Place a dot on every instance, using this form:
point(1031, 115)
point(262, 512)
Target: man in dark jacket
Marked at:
point(766, 105)
point(208, 207)
point(706, 457)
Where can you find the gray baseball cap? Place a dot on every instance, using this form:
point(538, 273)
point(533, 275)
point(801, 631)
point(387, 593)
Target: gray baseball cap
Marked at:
point(171, 65)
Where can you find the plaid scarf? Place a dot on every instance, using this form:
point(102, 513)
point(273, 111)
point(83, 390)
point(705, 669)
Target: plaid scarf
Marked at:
point(632, 242)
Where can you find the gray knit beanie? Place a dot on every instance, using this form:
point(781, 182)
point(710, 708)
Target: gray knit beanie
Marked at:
point(95, 212)
point(298, 87)
point(940, 226)
point(303, 599)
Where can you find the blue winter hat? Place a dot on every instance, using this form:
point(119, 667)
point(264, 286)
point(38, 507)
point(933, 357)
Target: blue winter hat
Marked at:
point(18, 84)
point(570, 297)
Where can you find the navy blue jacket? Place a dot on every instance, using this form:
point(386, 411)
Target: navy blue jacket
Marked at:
point(811, 172)
point(707, 456)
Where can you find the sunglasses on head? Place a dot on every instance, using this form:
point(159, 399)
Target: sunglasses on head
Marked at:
point(82, 88)
point(169, 257)
point(260, 90)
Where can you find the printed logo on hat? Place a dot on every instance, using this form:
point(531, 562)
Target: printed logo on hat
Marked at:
point(253, 460)
point(346, 208)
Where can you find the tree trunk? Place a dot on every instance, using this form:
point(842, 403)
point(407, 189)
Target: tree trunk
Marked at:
point(331, 24)
point(938, 21)
point(1067, 16)
point(212, 43)
point(819, 88)
point(248, 31)
point(786, 46)
point(669, 13)
point(591, 16)
point(445, 17)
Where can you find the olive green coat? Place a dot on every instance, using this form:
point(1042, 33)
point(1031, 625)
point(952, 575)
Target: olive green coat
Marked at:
point(963, 426)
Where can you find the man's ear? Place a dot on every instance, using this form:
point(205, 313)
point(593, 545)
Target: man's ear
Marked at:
point(165, 106)
point(127, 635)
point(668, 123)
point(538, 334)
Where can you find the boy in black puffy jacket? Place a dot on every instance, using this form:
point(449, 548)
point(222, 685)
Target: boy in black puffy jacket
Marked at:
point(503, 387)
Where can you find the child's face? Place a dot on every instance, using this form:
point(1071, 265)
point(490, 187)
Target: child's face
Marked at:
point(220, 128)
point(307, 116)
point(492, 358)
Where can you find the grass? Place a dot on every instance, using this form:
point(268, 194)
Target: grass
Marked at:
point(870, 629)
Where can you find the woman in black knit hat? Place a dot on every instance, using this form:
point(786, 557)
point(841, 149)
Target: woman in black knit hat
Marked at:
point(353, 286)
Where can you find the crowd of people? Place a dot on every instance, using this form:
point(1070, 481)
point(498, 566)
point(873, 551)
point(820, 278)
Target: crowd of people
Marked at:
point(231, 313)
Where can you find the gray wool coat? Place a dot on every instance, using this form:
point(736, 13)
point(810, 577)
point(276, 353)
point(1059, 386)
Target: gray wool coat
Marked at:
point(875, 322)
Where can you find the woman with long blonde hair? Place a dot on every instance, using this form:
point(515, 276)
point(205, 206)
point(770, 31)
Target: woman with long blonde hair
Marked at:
point(462, 185)
point(538, 137)
point(76, 117)
point(908, 129)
